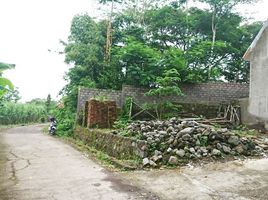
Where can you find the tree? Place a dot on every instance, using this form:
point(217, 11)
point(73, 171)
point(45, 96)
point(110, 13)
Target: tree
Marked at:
point(166, 86)
point(48, 103)
point(139, 63)
point(220, 9)
point(84, 50)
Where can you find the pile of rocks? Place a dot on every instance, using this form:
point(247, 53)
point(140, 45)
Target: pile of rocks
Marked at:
point(175, 140)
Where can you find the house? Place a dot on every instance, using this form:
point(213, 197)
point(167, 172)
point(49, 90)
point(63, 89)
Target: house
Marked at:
point(257, 54)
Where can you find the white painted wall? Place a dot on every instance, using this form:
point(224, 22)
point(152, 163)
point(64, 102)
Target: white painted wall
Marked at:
point(258, 95)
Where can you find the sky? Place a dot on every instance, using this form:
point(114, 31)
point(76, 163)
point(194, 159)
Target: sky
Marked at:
point(30, 27)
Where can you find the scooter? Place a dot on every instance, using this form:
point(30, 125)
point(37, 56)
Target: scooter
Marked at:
point(53, 127)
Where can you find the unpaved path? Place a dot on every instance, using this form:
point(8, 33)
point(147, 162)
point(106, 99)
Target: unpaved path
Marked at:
point(37, 166)
point(237, 180)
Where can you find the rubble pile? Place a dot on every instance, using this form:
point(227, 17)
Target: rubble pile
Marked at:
point(175, 140)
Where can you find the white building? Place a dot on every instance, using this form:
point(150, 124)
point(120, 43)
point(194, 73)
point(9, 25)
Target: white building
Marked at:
point(257, 54)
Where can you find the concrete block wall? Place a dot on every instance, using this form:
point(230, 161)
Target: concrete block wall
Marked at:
point(85, 94)
point(205, 93)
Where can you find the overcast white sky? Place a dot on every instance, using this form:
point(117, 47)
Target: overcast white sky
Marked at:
point(30, 27)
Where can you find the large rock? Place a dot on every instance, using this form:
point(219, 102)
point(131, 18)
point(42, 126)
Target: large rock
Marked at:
point(186, 137)
point(170, 129)
point(180, 153)
point(226, 149)
point(157, 153)
point(187, 131)
point(234, 140)
point(239, 149)
point(145, 162)
point(192, 150)
point(169, 150)
point(173, 160)
point(152, 164)
point(216, 152)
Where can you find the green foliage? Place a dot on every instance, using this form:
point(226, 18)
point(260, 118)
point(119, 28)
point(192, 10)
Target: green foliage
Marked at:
point(65, 121)
point(204, 141)
point(127, 108)
point(6, 85)
point(139, 62)
point(16, 113)
point(166, 86)
point(121, 124)
point(150, 38)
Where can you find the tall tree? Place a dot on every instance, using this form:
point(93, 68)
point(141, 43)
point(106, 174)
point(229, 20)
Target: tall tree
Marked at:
point(220, 9)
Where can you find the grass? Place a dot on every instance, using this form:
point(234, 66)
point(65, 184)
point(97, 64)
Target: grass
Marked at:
point(245, 132)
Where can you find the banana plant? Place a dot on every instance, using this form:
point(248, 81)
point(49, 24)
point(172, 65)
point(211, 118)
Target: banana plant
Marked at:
point(5, 84)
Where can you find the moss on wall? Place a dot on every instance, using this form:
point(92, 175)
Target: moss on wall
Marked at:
point(113, 145)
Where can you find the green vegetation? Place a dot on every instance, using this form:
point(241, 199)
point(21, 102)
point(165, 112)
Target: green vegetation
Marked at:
point(16, 113)
point(166, 86)
point(149, 39)
point(5, 84)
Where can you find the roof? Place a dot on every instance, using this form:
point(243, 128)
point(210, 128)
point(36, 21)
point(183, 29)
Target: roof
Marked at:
point(255, 41)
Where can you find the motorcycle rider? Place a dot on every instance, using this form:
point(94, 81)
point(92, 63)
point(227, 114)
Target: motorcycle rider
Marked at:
point(53, 125)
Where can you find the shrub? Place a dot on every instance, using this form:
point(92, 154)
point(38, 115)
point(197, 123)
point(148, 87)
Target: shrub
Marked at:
point(18, 113)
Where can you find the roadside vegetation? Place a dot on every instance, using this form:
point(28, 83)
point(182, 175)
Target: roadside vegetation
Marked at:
point(142, 43)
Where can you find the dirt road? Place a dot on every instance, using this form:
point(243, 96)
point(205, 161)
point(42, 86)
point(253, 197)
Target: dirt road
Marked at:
point(37, 166)
point(237, 180)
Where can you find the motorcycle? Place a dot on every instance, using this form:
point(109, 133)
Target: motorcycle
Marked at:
point(53, 127)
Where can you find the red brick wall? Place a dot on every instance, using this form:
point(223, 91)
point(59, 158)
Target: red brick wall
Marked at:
point(101, 114)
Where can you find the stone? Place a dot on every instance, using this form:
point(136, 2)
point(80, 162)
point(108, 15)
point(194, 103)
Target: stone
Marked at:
point(239, 149)
point(170, 129)
point(180, 153)
point(223, 130)
point(192, 123)
point(175, 143)
point(198, 143)
point(173, 160)
point(152, 164)
point(145, 162)
point(170, 140)
point(162, 132)
point(173, 119)
point(179, 127)
point(216, 152)
point(157, 140)
point(157, 153)
point(219, 146)
point(203, 149)
point(226, 149)
point(192, 150)
point(150, 140)
point(234, 140)
point(259, 149)
point(187, 131)
point(169, 150)
point(144, 148)
point(186, 137)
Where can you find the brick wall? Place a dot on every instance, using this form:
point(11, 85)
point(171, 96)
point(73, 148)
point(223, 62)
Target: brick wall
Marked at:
point(205, 93)
point(100, 114)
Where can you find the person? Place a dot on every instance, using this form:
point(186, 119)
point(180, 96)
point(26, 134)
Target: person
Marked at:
point(53, 125)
